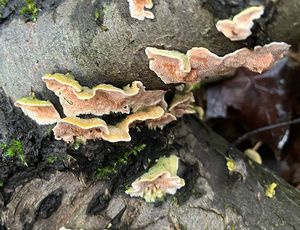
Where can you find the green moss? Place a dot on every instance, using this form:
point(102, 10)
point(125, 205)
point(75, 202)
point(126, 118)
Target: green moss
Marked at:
point(1, 183)
point(97, 14)
point(111, 169)
point(3, 3)
point(99, 18)
point(106, 171)
point(31, 9)
point(52, 159)
point(13, 150)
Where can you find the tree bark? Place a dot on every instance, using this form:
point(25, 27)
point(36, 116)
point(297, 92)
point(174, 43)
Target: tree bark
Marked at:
point(212, 198)
point(41, 197)
point(68, 38)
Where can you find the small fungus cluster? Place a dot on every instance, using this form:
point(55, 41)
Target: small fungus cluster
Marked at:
point(142, 105)
point(43, 112)
point(239, 28)
point(199, 63)
point(137, 9)
point(161, 179)
point(101, 99)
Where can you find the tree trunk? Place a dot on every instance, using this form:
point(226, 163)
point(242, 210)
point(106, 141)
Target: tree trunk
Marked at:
point(40, 197)
point(112, 49)
point(66, 38)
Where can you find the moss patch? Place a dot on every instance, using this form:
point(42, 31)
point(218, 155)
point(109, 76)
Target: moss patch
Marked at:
point(30, 9)
point(121, 160)
point(13, 150)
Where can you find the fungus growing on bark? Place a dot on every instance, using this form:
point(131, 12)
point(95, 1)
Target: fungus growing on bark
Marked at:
point(120, 132)
point(137, 9)
point(236, 166)
point(182, 103)
point(270, 190)
point(101, 99)
point(239, 28)
point(43, 112)
point(161, 122)
point(253, 155)
point(158, 181)
point(167, 63)
point(71, 129)
point(203, 64)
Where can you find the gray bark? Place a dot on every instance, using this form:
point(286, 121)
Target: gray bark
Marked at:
point(212, 198)
point(69, 39)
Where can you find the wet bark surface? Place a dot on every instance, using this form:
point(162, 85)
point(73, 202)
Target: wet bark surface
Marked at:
point(67, 192)
point(68, 37)
point(61, 186)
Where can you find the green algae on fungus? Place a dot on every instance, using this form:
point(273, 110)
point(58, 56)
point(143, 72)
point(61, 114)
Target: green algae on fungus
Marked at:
point(43, 112)
point(103, 98)
point(71, 129)
point(201, 64)
point(181, 104)
point(161, 179)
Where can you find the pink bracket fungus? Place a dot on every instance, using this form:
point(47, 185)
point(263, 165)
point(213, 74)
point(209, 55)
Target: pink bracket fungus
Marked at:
point(170, 65)
point(161, 122)
point(182, 103)
point(71, 129)
point(158, 181)
point(137, 9)
point(101, 99)
point(199, 63)
point(43, 112)
point(120, 132)
point(239, 28)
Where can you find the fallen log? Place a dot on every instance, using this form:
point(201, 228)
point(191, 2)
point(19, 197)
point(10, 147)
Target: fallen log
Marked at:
point(41, 197)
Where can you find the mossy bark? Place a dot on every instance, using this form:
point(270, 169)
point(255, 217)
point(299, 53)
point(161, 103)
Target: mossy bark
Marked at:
point(213, 198)
point(70, 38)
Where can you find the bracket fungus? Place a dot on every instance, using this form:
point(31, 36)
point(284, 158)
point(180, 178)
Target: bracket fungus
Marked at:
point(101, 99)
point(145, 105)
point(43, 112)
point(182, 103)
point(137, 9)
point(239, 28)
point(158, 181)
point(120, 132)
point(74, 128)
point(200, 63)
point(71, 129)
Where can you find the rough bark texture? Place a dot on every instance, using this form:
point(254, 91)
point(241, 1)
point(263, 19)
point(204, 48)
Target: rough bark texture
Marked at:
point(111, 49)
point(67, 38)
point(211, 199)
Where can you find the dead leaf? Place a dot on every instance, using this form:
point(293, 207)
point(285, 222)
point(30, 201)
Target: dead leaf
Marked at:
point(260, 100)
